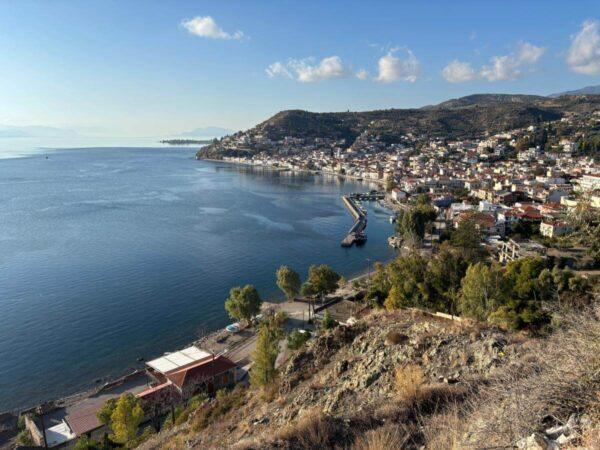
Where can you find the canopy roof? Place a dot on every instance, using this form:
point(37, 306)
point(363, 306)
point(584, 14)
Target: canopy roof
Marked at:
point(173, 361)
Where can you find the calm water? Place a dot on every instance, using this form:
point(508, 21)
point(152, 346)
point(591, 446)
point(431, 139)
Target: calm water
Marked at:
point(108, 255)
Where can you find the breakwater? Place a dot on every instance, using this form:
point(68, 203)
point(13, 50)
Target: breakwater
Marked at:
point(356, 234)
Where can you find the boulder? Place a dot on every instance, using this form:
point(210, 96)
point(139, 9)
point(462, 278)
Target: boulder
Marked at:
point(536, 441)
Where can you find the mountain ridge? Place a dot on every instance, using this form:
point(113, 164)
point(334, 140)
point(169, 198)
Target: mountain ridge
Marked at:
point(587, 90)
point(465, 117)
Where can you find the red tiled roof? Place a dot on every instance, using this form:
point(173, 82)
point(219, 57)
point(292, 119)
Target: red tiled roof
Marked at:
point(152, 390)
point(84, 420)
point(203, 369)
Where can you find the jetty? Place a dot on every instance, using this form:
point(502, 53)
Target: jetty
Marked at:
point(356, 234)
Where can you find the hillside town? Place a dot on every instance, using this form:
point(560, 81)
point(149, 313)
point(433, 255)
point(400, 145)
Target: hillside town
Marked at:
point(523, 182)
point(531, 193)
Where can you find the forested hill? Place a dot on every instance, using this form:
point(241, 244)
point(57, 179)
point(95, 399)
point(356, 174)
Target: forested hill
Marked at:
point(465, 117)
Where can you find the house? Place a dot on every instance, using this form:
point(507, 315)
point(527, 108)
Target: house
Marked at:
point(554, 228)
point(181, 375)
point(588, 183)
point(485, 222)
point(398, 195)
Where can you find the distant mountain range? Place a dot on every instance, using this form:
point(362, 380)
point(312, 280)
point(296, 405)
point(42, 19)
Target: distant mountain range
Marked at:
point(588, 90)
point(465, 117)
point(208, 132)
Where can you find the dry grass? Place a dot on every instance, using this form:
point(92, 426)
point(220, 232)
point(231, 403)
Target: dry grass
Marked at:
point(409, 381)
point(317, 385)
point(224, 402)
point(395, 338)
point(176, 443)
point(558, 376)
point(269, 392)
point(383, 438)
point(443, 431)
point(313, 430)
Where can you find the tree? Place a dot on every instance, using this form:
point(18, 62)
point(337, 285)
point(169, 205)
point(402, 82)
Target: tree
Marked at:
point(106, 411)
point(126, 418)
point(296, 339)
point(482, 291)
point(412, 224)
point(523, 143)
point(407, 280)
point(390, 184)
point(467, 239)
point(328, 322)
point(517, 314)
point(444, 274)
point(243, 303)
point(523, 277)
point(288, 281)
point(321, 280)
point(267, 348)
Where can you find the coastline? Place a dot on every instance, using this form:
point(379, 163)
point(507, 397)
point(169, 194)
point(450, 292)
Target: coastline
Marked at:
point(380, 183)
point(355, 268)
point(139, 366)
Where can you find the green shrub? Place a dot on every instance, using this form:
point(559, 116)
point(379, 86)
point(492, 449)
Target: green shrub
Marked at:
point(24, 438)
point(296, 339)
point(328, 322)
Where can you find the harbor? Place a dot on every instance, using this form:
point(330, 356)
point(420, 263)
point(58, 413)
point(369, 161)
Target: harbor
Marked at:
point(356, 234)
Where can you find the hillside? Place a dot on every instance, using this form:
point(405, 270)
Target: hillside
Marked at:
point(465, 117)
point(405, 380)
point(588, 90)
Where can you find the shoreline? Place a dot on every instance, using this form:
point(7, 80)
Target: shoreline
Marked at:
point(380, 183)
point(102, 381)
point(96, 388)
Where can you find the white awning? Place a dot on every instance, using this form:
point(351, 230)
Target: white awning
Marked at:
point(178, 359)
point(59, 434)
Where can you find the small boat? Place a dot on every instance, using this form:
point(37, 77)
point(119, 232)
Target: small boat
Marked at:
point(233, 328)
point(392, 219)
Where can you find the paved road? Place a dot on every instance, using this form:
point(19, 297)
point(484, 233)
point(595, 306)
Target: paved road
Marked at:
point(297, 313)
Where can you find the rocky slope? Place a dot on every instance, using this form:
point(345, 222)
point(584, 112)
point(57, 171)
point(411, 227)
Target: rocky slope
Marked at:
point(409, 380)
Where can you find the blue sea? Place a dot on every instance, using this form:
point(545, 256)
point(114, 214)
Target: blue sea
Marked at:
point(112, 254)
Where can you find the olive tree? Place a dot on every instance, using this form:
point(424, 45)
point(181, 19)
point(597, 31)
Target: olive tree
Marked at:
point(288, 281)
point(243, 302)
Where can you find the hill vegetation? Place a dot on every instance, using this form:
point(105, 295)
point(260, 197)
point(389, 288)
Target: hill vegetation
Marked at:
point(465, 117)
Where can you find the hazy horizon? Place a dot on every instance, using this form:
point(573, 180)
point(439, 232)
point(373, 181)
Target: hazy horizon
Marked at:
point(156, 69)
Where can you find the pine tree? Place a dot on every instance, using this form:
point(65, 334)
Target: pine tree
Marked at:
point(267, 348)
point(126, 419)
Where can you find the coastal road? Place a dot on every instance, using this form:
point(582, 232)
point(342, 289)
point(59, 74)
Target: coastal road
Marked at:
point(297, 312)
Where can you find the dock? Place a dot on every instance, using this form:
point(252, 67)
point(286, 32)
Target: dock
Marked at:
point(356, 234)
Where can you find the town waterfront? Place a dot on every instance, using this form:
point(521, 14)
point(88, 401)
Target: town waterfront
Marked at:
point(108, 255)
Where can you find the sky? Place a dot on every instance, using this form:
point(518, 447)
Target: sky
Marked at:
point(152, 68)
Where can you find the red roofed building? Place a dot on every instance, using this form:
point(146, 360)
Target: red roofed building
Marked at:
point(207, 374)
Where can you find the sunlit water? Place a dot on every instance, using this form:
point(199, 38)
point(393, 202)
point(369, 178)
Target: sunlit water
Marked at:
point(112, 254)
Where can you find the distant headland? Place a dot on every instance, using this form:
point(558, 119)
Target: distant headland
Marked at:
point(185, 141)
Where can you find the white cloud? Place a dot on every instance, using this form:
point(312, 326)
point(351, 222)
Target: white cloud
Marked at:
point(307, 71)
point(392, 68)
point(584, 53)
point(205, 26)
point(529, 53)
point(362, 74)
point(458, 72)
point(509, 67)
point(277, 69)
